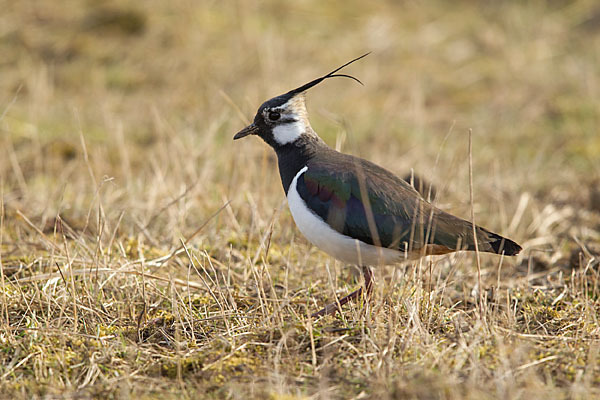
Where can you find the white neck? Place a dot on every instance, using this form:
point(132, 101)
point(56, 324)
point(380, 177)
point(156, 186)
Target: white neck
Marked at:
point(290, 132)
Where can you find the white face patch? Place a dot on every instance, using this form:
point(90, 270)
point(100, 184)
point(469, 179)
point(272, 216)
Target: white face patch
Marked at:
point(288, 132)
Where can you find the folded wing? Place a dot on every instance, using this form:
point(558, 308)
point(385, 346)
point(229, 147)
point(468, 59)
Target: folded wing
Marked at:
point(368, 203)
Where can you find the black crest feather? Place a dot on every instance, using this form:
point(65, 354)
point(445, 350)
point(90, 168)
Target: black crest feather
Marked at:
point(332, 74)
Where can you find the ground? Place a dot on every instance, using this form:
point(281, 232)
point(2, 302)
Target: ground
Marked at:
point(145, 254)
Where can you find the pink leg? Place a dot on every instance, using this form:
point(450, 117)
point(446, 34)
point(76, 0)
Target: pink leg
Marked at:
point(333, 307)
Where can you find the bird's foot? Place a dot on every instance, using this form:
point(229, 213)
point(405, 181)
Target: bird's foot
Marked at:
point(331, 309)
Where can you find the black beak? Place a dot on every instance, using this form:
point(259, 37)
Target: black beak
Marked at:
point(249, 130)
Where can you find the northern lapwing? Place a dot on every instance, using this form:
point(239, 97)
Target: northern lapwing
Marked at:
point(352, 209)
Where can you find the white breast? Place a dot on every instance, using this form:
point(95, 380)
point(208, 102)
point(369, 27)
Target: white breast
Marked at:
point(332, 242)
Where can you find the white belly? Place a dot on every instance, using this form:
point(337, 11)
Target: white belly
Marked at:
point(332, 242)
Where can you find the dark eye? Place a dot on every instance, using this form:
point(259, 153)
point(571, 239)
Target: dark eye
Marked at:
point(274, 115)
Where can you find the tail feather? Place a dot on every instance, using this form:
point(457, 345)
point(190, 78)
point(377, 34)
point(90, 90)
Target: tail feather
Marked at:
point(500, 244)
point(457, 234)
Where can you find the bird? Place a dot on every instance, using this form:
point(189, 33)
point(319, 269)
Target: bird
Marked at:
point(351, 208)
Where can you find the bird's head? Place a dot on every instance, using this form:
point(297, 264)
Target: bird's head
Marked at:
point(283, 119)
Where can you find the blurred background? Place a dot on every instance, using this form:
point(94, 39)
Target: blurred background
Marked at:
point(117, 118)
point(157, 89)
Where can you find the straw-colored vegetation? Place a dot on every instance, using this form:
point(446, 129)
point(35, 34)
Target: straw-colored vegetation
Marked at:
point(124, 275)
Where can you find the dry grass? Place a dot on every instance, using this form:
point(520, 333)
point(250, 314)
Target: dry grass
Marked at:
point(115, 149)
